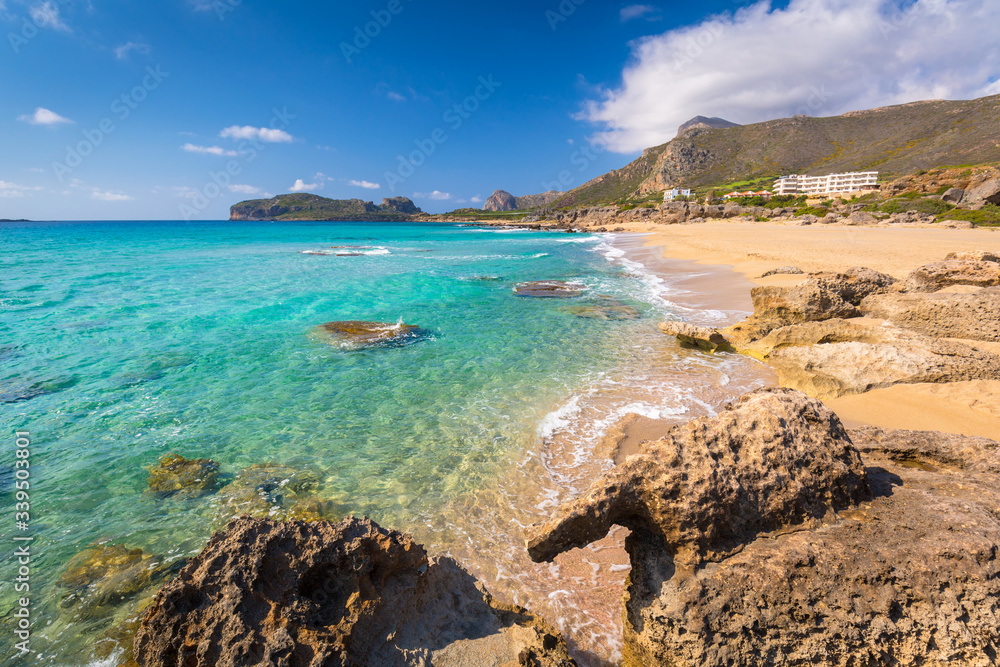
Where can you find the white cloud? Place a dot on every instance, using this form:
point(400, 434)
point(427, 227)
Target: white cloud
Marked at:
point(10, 190)
point(476, 200)
point(436, 195)
point(815, 57)
point(635, 12)
point(244, 189)
point(301, 186)
point(368, 185)
point(395, 97)
point(46, 15)
point(43, 116)
point(121, 52)
point(259, 133)
point(109, 196)
point(208, 150)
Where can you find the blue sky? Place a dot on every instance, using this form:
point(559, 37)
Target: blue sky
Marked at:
point(180, 108)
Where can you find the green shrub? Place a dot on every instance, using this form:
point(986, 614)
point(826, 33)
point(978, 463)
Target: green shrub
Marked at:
point(902, 205)
point(818, 211)
point(988, 216)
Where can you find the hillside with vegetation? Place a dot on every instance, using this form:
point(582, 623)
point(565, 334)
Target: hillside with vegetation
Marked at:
point(895, 140)
point(313, 207)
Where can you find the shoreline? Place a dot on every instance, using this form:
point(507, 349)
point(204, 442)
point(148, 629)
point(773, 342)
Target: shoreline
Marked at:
point(750, 249)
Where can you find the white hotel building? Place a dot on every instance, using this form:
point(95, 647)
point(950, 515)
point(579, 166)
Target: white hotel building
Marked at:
point(830, 184)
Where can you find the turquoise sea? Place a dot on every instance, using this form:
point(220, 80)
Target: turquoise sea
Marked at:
point(123, 342)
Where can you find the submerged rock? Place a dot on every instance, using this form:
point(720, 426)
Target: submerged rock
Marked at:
point(353, 593)
point(974, 316)
point(97, 580)
point(550, 289)
point(709, 340)
point(605, 308)
point(355, 334)
point(277, 492)
point(905, 572)
point(176, 474)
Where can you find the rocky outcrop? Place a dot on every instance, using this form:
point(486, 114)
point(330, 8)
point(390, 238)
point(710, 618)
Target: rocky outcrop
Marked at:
point(705, 338)
point(703, 123)
point(296, 594)
point(974, 256)
point(783, 271)
point(774, 459)
point(837, 357)
point(951, 272)
point(353, 334)
point(822, 296)
point(974, 316)
point(888, 558)
point(500, 200)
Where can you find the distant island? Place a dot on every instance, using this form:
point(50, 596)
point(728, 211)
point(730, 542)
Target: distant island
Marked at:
point(7, 220)
point(314, 207)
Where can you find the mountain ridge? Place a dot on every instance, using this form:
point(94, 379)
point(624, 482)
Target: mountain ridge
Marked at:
point(305, 206)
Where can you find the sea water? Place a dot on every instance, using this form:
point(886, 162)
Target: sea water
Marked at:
point(122, 342)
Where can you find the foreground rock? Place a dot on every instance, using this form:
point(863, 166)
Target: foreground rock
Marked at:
point(355, 334)
point(550, 289)
point(975, 316)
point(297, 594)
point(906, 572)
point(774, 459)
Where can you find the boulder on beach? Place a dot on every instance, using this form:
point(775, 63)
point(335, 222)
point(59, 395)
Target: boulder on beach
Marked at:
point(771, 535)
point(353, 593)
point(356, 334)
point(709, 340)
point(189, 477)
point(783, 271)
point(550, 289)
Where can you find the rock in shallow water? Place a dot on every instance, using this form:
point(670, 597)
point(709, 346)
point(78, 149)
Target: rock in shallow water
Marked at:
point(297, 594)
point(550, 289)
point(356, 334)
point(908, 572)
point(605, 308)
point(176, 474)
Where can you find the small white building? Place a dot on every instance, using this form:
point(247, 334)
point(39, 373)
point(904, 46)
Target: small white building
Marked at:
point(671, 195)
point(831, 184)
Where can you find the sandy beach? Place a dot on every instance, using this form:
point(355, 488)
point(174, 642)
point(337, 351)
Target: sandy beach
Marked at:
point(750, 249)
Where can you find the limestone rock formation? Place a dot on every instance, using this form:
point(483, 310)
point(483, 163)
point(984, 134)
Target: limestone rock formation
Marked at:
point(773, 459)
point(500, 200)
point(975, 316)
point(939, 275)
point(707, 339)
point(974, 256)
point(953, 195)
point(822, 296)
point(836, 357)
point(176, 474)
point(783, 271)
point(906, 571)
point(296, 594)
